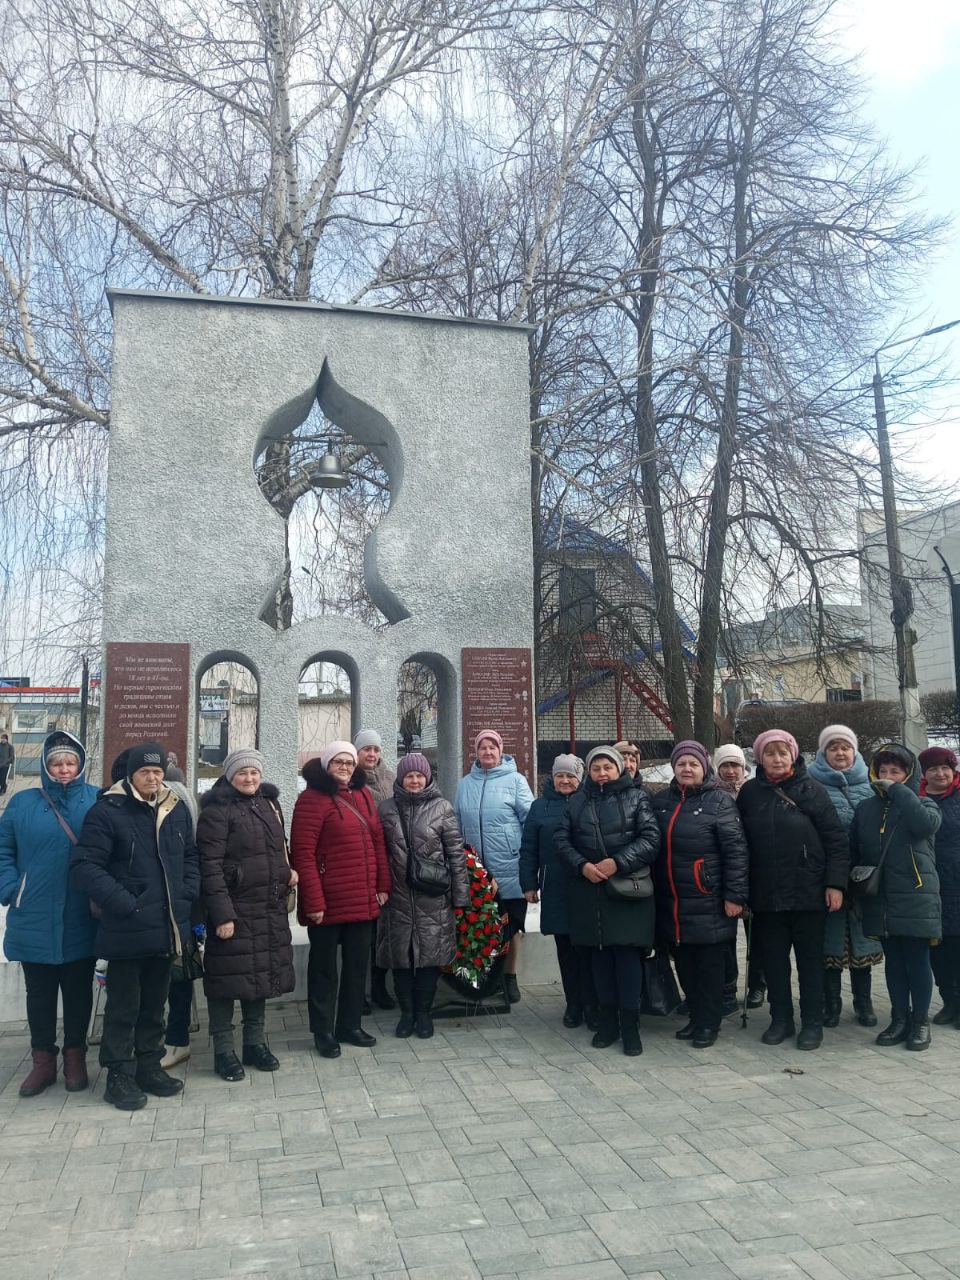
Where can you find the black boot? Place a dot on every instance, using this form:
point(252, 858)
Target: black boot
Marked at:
point(124, 1092)
point(379, 994)
point(591, 1016)
point(228, 1067)
point(897, 1031)
point(572, 1015)
point(919, 1037)
point(630, 1032)
point(405, 1027)
point(861, 981)
point(153, 1079)
point(950, 1012)
point(403, 986)
point(608, 1028)
point(811, 1035)
point(832, 999)
point(780, 1029)
point(260, 1056)
point(756, 997)
point(686, 1032)
point(704, 1037)
point(511, 988)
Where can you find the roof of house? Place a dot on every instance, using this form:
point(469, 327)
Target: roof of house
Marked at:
point(793, 626)
point(564, 533)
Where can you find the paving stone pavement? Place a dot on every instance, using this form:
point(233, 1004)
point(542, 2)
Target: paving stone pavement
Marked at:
point(504, 1147)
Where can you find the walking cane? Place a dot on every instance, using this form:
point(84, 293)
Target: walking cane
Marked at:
point(748, 926)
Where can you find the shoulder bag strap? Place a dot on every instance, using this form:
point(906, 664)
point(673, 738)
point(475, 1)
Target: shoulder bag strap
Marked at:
point(279, 817)
point(59, 817)
point(596, 823)
point(353, 809)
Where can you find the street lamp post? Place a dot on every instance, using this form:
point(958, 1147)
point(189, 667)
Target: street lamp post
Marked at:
point(913, 727)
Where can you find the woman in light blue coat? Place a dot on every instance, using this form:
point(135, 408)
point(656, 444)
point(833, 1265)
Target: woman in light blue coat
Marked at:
point(841, 768)
point(493, 801)
point(49, 928)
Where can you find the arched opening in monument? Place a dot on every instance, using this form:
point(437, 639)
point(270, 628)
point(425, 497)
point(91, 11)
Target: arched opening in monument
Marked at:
point(228, 713)
point(426, 691)
point(326, 703)
point(329, 464)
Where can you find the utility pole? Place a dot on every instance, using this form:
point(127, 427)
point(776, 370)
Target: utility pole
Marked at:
point(913, 727)
point(84, 697)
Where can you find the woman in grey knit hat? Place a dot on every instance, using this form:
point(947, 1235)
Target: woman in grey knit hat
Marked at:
point(544, 879)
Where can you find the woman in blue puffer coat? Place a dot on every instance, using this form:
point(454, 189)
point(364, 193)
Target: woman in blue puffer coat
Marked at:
point(49, 928)
point(841, 768)
point(492, 804)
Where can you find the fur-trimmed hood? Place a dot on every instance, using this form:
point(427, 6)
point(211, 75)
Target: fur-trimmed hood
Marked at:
point(316, 776)
point(223, 792)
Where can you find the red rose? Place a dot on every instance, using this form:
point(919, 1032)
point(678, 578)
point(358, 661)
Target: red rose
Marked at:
point(472, 917)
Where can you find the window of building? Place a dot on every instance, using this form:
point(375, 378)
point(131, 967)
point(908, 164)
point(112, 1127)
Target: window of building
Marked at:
point(578, 599)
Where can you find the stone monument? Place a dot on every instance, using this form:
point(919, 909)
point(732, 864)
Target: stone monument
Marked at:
point(194, 551)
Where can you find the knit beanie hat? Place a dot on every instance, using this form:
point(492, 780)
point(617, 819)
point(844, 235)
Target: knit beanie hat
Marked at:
point(627, 746)
point(488, 733)
point(337, 749)
point(146, 755)
point(690, 748)
point(61, 745)
point(729, 753)
point(893, 753)
point(775, 735)
point(937, 755)
point(368, 738)
point(837, 733)
point(609, 753)
point(414, 762)
point(243, 758)
point(568, 764)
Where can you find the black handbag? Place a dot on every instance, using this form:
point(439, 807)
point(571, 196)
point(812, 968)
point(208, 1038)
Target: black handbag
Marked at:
point(661, 995)
point(424, 875)
point(632, 885)
point(865, 881)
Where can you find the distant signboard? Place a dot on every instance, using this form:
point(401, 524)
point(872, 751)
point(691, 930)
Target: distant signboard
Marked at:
point(14, 682)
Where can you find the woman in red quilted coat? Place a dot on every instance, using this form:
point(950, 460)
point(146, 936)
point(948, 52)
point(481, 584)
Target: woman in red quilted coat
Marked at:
point(338, 851)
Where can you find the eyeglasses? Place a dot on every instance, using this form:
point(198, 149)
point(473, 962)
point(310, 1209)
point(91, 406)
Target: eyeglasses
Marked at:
point(342, 762)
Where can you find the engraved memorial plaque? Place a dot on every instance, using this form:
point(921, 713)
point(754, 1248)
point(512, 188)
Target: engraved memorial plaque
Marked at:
point(498, 694)
point(147, 698)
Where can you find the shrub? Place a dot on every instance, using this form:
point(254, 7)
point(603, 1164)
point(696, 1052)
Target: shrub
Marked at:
point(872, 722)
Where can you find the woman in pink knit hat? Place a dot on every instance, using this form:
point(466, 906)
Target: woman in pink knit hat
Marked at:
point(799, 864)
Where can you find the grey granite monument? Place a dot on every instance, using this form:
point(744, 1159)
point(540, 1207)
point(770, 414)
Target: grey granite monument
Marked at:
point(194, 551)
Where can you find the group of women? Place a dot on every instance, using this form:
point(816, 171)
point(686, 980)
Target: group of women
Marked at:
point(838, 866)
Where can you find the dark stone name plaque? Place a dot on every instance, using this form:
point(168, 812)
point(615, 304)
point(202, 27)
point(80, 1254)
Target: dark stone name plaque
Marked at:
point(498, 694)
point(147, 698)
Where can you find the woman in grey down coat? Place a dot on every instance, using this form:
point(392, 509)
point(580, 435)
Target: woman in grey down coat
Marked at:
point(416, 935)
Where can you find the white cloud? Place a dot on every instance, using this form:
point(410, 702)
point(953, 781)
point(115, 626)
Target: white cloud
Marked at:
point(900, 42)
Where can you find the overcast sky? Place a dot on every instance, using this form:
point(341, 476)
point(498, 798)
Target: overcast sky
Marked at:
point(911, 53)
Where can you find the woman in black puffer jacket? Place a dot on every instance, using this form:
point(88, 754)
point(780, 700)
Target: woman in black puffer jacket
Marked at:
point(701, 885)
point(416, 935)
point(799, 865)
point(245, 877)
point(609, 830)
